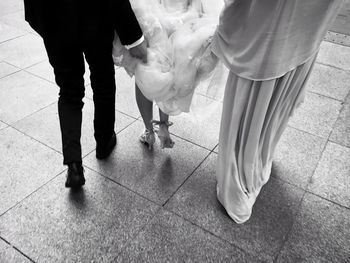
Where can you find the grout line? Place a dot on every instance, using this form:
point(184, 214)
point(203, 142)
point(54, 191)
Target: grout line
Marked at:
point(14, 38)
point(5, 125)
point(3, 239)
point(128, 115)
point(190, 175)
point(122, 186)
point(136, 118)
point(36, 190)
point(288, 234)
point(194, 143)
point(9, 63)
point(325, 138)
point(42, 143)
point(216, 147)
point(19, 251)
point(307, 132)
point(339, 143)
point(15, 248)
point(40, 77)
point(136, 234)
point(19, 70)
point(326, 96)
point(333, 127)
point(33, 113)
point(326, 199)
point(273, 176)
point(27, 67)
point(35, 64)
point(211, 233)
point(332, 66)
point(321, 155)
point(4, 122)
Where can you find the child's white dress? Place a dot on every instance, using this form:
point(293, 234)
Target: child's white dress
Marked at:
point(180, 60)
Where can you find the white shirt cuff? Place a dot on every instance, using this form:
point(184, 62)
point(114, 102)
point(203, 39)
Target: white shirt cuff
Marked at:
point(138, 42)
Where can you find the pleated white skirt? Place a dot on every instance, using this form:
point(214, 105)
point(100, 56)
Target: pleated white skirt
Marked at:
point(255, 114)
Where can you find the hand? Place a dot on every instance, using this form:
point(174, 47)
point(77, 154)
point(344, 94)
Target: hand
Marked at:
point(140, 52)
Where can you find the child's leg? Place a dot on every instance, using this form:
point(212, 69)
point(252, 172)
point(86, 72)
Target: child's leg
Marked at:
point(145, 107)
point(163, 116)
point(163, 133)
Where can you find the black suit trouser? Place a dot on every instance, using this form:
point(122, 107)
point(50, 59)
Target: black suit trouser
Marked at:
point(66, 55)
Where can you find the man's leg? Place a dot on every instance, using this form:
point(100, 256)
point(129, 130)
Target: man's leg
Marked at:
point(68, 64)
point(98, 53)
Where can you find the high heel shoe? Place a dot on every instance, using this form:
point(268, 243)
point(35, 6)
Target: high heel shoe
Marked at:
point(148, 138)
point(163, 134)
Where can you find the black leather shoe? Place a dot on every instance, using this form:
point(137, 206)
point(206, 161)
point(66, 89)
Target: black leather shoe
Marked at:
point(75, 175)
point(103, 151)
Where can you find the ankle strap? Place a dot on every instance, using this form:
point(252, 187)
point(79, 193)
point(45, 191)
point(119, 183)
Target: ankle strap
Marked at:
point(167, 123)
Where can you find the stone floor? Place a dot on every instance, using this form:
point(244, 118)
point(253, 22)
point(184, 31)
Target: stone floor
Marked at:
point(160, 206)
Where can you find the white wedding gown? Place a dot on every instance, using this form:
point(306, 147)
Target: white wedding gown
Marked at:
point(180, 60)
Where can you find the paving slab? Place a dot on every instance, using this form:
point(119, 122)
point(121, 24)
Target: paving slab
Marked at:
point(155, 174)
point(10, 6)
point(126, 101)
point(296, 157)
point(264, 233)
point(334, 55)
point(332, 176)
point(316, 115)
point(202, 129)
point(23, 51)
point(330, 82)
point(9, 255)
point(169, 238)
point(337, 38)
point(321, 233)
point(347, 99)
point(25, 94)
point(2, 125)
point(341, 131)
point(45, 71)
point(91, 225)
point(44, 126)
point(342, 22)
point(17, 20)
point(8, 32)
point(6, 69)
point(25, 166)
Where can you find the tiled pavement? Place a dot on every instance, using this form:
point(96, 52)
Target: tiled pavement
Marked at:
point(141, 206)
